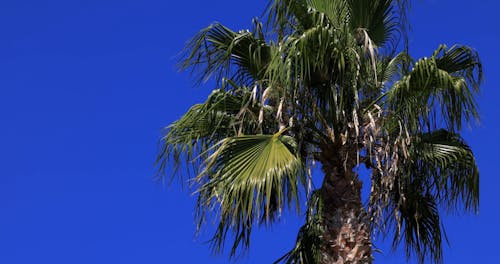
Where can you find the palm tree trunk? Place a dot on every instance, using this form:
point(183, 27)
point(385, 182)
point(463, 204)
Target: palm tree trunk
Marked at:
point(345, 221)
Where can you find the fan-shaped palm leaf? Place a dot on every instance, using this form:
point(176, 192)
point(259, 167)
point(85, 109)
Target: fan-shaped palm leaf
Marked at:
point(375, 17)
point(247, 178)
point(287, 16)
point(337, 11)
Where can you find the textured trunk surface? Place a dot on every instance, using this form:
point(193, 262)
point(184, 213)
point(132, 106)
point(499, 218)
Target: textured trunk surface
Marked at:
point(346, 224)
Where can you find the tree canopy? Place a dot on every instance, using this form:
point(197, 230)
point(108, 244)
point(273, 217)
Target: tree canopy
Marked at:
point(317, 80)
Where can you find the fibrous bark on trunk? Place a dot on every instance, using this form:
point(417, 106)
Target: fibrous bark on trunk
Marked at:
point(347, 238)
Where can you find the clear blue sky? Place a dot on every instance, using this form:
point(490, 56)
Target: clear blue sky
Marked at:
point(85, 88)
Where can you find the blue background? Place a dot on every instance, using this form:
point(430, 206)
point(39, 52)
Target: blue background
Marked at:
point(85, 88)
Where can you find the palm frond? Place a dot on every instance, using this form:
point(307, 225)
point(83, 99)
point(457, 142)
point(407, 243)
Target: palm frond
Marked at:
point(440, 171)
point(219, 51)
point(461, 61)
point(375, 17)
point(337, 11)
point(286, 16)
point(444, 158)
point(394, 67)
point(417, 222)
point(315, 55)
point(248, 178)
point(307, 248)
point(441, 87)
point(202, 126)
point(318, 70)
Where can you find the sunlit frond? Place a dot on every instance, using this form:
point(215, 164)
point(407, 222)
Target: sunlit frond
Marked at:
point(460, 61)
point(248, 178)
point(202, 126)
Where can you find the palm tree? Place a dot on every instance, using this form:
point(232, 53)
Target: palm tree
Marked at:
point(323, 82)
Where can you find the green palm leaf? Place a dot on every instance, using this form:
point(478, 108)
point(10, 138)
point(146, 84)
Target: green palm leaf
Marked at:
point(375, 17)
point(442, 85)
point(336, 10)
point(307, 248)
point(394, 67)
point(449, 162)
point(202, 126)
point(418, 223)
point(441, 171)
point(223, 52)
point(287, 16)
point(249, 178)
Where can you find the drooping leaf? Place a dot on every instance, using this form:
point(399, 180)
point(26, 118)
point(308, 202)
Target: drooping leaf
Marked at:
point(418, 223)
point(443, 85)
point(444, 158)
point(308, 247)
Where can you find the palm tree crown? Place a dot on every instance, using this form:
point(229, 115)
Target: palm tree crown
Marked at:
point(323, 81)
